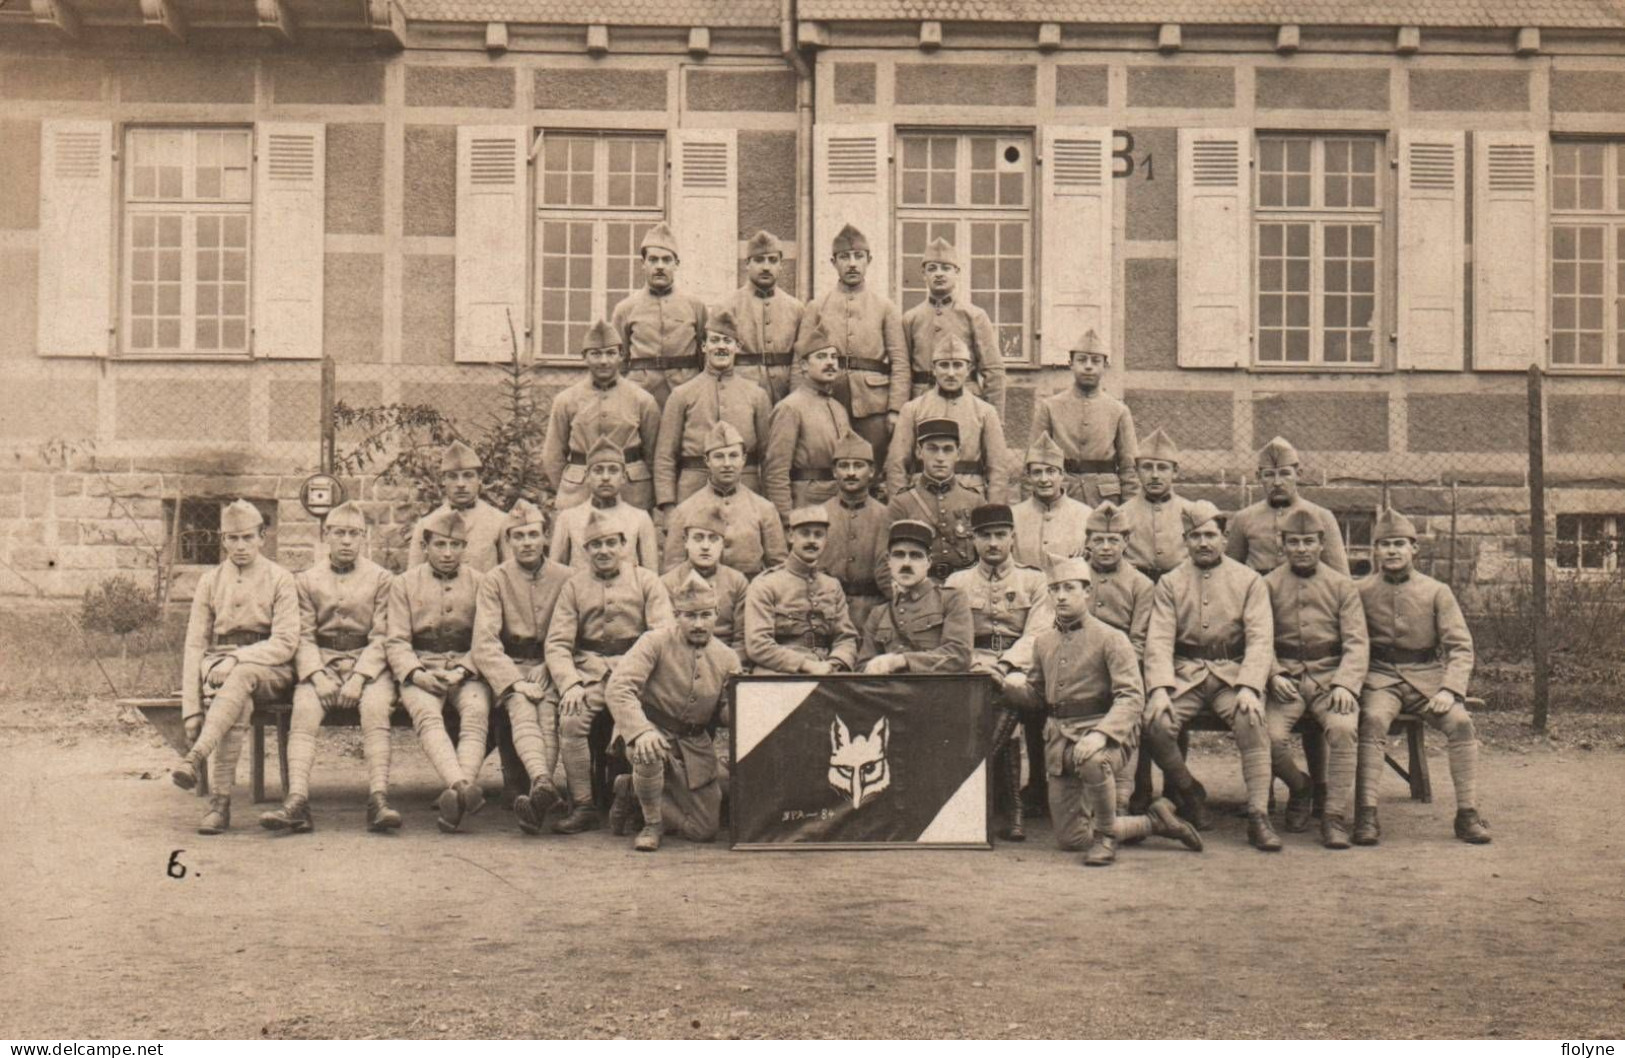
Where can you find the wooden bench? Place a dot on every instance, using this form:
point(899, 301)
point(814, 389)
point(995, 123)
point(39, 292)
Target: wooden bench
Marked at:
point(1412, 727)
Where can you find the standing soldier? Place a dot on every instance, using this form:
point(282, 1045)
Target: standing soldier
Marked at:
point(606, 474)
point(511, 615)
point(240, 641)
point(796, 619)
point(666, 698)
point(1085, 677)
point(1156, 538)
point(717, 394)
point(660, 329)
point(755, 539)
point(703, 541)
point(1049, 522)
point(868, 333)
point(924, 627)
point(938, 499)
point(600, 405)
point(1421, 660)
point(1209, 646)
point(984, 457)
point(768, 319)
point(460, 489)
point(941, 315)
point(798, 466)
point(855, 551)
point(1094, 429)
point(341, 663)
point(1321, 652)
point(600, 614)
point(431, 634)
point(1255, 531)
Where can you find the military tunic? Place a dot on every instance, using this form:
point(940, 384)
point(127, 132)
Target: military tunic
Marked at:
point(487, 544)
point(1414, 623)
point(946, 508)
point(855, 553)
point(514, 605)
point(768, 326)
point(1254, 535)
point(798, 469)
point(1049, 529)
point(1156, 536)
point(929, 625)
point(431, 621)
point(755, 536)
point(1121, 597)
point(691, 410)
point(584, 412)
point(569, 545)
point(794, 613)
point(596, 620)
point(1097, 434)
point(864, 326)
point(1223, 612)
point(984, 457)
point(1320, 630)
point(231, 603)
point(730, 585)
point(924, 326)
point(343, 621)
point(661, 334)
point(1009, 607)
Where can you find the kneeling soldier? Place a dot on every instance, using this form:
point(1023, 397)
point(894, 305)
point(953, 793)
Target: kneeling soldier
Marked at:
point(431, 631)
point(666, 697)
point(924, 628)
point(1413, 619)
point(796, 618)
point(240, 642)
point(1086, 677)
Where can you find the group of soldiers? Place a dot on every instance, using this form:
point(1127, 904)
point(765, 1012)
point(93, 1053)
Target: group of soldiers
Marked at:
point(835, 494)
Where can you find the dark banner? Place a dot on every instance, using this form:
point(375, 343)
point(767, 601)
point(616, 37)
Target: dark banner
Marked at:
point(860, 760)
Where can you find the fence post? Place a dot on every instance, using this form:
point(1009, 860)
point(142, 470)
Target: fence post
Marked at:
point(329, 386)
point(1455, 507)
point(1537, 541)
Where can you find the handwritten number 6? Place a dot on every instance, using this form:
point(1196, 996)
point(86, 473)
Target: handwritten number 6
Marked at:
point(176, 868)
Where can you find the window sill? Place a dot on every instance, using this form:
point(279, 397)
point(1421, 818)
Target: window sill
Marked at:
point(194, 358)
point(1319, 369)
point(1585, 370)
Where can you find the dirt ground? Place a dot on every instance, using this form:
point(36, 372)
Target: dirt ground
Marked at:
point(347, 934)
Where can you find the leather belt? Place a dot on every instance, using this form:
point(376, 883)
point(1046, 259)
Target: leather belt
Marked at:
point(1390, 655)
point(1320, 653)
point(764, 359)
point(631, 455)
point(865, 363)
point(813, 474)
point(1233, 651)
point(673, 726)
point(522, 648)
point(664, 363)
point(861, 587)
point(995, 641)
point(964, 466)
point(810, 640)
point(1075, 710)
point(1089, 466)
point(241, 639)
point(608, 648)
point(342, 640)
point(698, 463)
point(444, 643)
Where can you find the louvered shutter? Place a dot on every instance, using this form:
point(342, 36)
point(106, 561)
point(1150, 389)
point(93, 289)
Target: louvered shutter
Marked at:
point(289, 224)
point(493, 227)
point(1077, 233)
point(1432, 250)
point(75, 238)
point(1509, 250)
point(1215, 247)
point(851, 183)
point(705, 210)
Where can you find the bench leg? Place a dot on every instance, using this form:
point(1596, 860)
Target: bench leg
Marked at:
point(1421, 782)
point(258, 763)
point(284, 724)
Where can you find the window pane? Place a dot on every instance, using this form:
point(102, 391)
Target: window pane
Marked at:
point(568, 169)
point(1283, 289)
point(566, 268)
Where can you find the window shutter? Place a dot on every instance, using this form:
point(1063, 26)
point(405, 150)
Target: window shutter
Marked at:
point(289, 225)
point(75, 237)
point(1077, 239)
point(1432, 250)
point(852, 185)
point(705, 210)
point(493, 229)
point(1509, 250)
point(1215, 247)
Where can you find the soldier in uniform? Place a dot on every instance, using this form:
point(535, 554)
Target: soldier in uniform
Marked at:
point(755, 538)
point(1209, 646)
point(768, 319)
point(984, 457)
point(606, 475)
point(1255, 531)
point(240, 641)
point(660, 329)
point(942, 314)
point(1321, 652)
point(666, 697)
point(511, 614)
point(938, 499)
point(1093, 428)
point(1156, 538)
point(1049, 522)
point(460, 486)
point(703, 541)
point(1085, 677)
point(867, 330)
point(1120, 594)
point(855, 551)
point(798, 467)
point(924, 627)
point(600, 614)
point(796, 618)
point(717, 394)
point(431, 635)
point(600, 405)
point(1421, 660)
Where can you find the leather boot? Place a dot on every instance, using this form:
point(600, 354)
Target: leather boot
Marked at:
point(648, 839)
point(581, 817)
point(293, 817)
point(1334, 831)
point(450, 805)
point(1017, 828)
point(1167, 824)
point(1367, 831)
point(381, 817)
point(185, 773)
point(1193, 806)
point(625, 807)
point(1471, 828)
point(1300, 807)
point(218, 821)
point(473, 797)
point(1260, 834)
point(1102, 851)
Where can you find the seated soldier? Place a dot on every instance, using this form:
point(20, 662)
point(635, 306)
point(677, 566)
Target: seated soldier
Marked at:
point(755, 539)
point(703, 544)
point(606, 477)
point(1320, 664)
point(855, 551)
point(938, 499)
point(666, 697)
point(240, 642)
point(1049, 522)
point(600, 614)
point(796, 618)
point(924, 628)
point(1085, 677)
point(431, 634)
point(341, 663)
point(1421, 660)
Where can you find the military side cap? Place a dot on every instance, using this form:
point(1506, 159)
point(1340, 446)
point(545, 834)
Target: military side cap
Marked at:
point(1089, 342)
point(930, 428)
point(721, 321)
point(812, 340)
point(524, 512)
point(908, 530)
point(949, 347)
point(1158, 445)
point(601, 335)
point(992, 516)
point(458, 456)
point(1390, 523)
point(710, 520)
point(763, 242)
point(850, 445)
point(448, 523)
point(695, 593)
point(1299, 522)
point(808, 516)
point(723, 434)
point(1058, 569)
point(600, 526)
point(1045, 452)
point(605, 450)
point(1197, 514)
point(346, 515)
point(659, 237)
point(849, 238)
point(240, 516)
point(940, 251)
point(1278, 453)
point(1107, 518)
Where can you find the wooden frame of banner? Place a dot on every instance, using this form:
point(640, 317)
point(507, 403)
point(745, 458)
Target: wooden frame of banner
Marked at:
point(972, 682)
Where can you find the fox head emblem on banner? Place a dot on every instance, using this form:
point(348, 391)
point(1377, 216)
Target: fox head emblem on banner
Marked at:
point(857, 766)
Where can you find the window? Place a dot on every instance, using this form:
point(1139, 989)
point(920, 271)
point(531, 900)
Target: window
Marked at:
point(1589, 541)
point(1588, 242)
point(975, 191)
point(1318, 229)
point(1356, 528)
point(187, 197)
point(599, 195)
point(197, 526)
